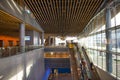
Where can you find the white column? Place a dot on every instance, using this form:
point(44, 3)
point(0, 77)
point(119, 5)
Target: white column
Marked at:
point(22, 37)
point(22, 48)
point(42, 39)
point(38, 39)
point(53, 42)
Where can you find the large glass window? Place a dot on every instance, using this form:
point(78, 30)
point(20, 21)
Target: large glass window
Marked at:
point(113, 40)
point(114, 58)
point(118, 65)
point(97, 40)
point(91, 54)
point(103, 41)
point(103, 60)
point(95, 60)
point(94, 42)
point(113, 18)
point(99, 59)
point(118, 39)
point(117, 15)
point(90, 42)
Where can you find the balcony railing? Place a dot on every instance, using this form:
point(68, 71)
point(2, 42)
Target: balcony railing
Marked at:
point(10, 51)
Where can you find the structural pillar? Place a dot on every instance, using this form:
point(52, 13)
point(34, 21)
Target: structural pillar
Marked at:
point(108, 38)
point(22, 48)
point(49, 40)
point(22, 37)
point(42, 39)
point(38, 39)
point(54, 41)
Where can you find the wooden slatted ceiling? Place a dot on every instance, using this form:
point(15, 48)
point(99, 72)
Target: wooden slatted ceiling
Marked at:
point(63, 17)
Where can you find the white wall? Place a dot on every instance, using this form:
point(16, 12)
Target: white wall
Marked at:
point(11, 68)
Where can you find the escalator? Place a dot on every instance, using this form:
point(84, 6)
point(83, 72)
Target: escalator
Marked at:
point(92, 69)
point(80, 60)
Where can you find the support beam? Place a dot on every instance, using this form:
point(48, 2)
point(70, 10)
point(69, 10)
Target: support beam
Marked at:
point(108, 38)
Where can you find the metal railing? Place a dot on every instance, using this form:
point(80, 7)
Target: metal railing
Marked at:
point(10, 51)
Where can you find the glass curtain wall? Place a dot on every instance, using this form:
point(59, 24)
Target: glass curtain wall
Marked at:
point(95, 41)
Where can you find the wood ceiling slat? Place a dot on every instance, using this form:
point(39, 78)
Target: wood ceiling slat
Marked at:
point(67, 14)
point(43, 11)
point(73, 6)
point(70, 14)
point(53, 10)
point(77, 13)
point(60, 16)
point(89, 9)
point(55, 15)
point(70, 8)
point(93, 9)
point(40, 13)
point(34, 11)
point(46, 11)
point(75, 10)
point(50, 9)
point(80, 9)
point(63, 16)
point(86, 8)
point(50, 15)
point(83, 9)
point(57, 12)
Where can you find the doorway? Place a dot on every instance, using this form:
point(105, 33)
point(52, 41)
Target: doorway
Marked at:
point(1, 43)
